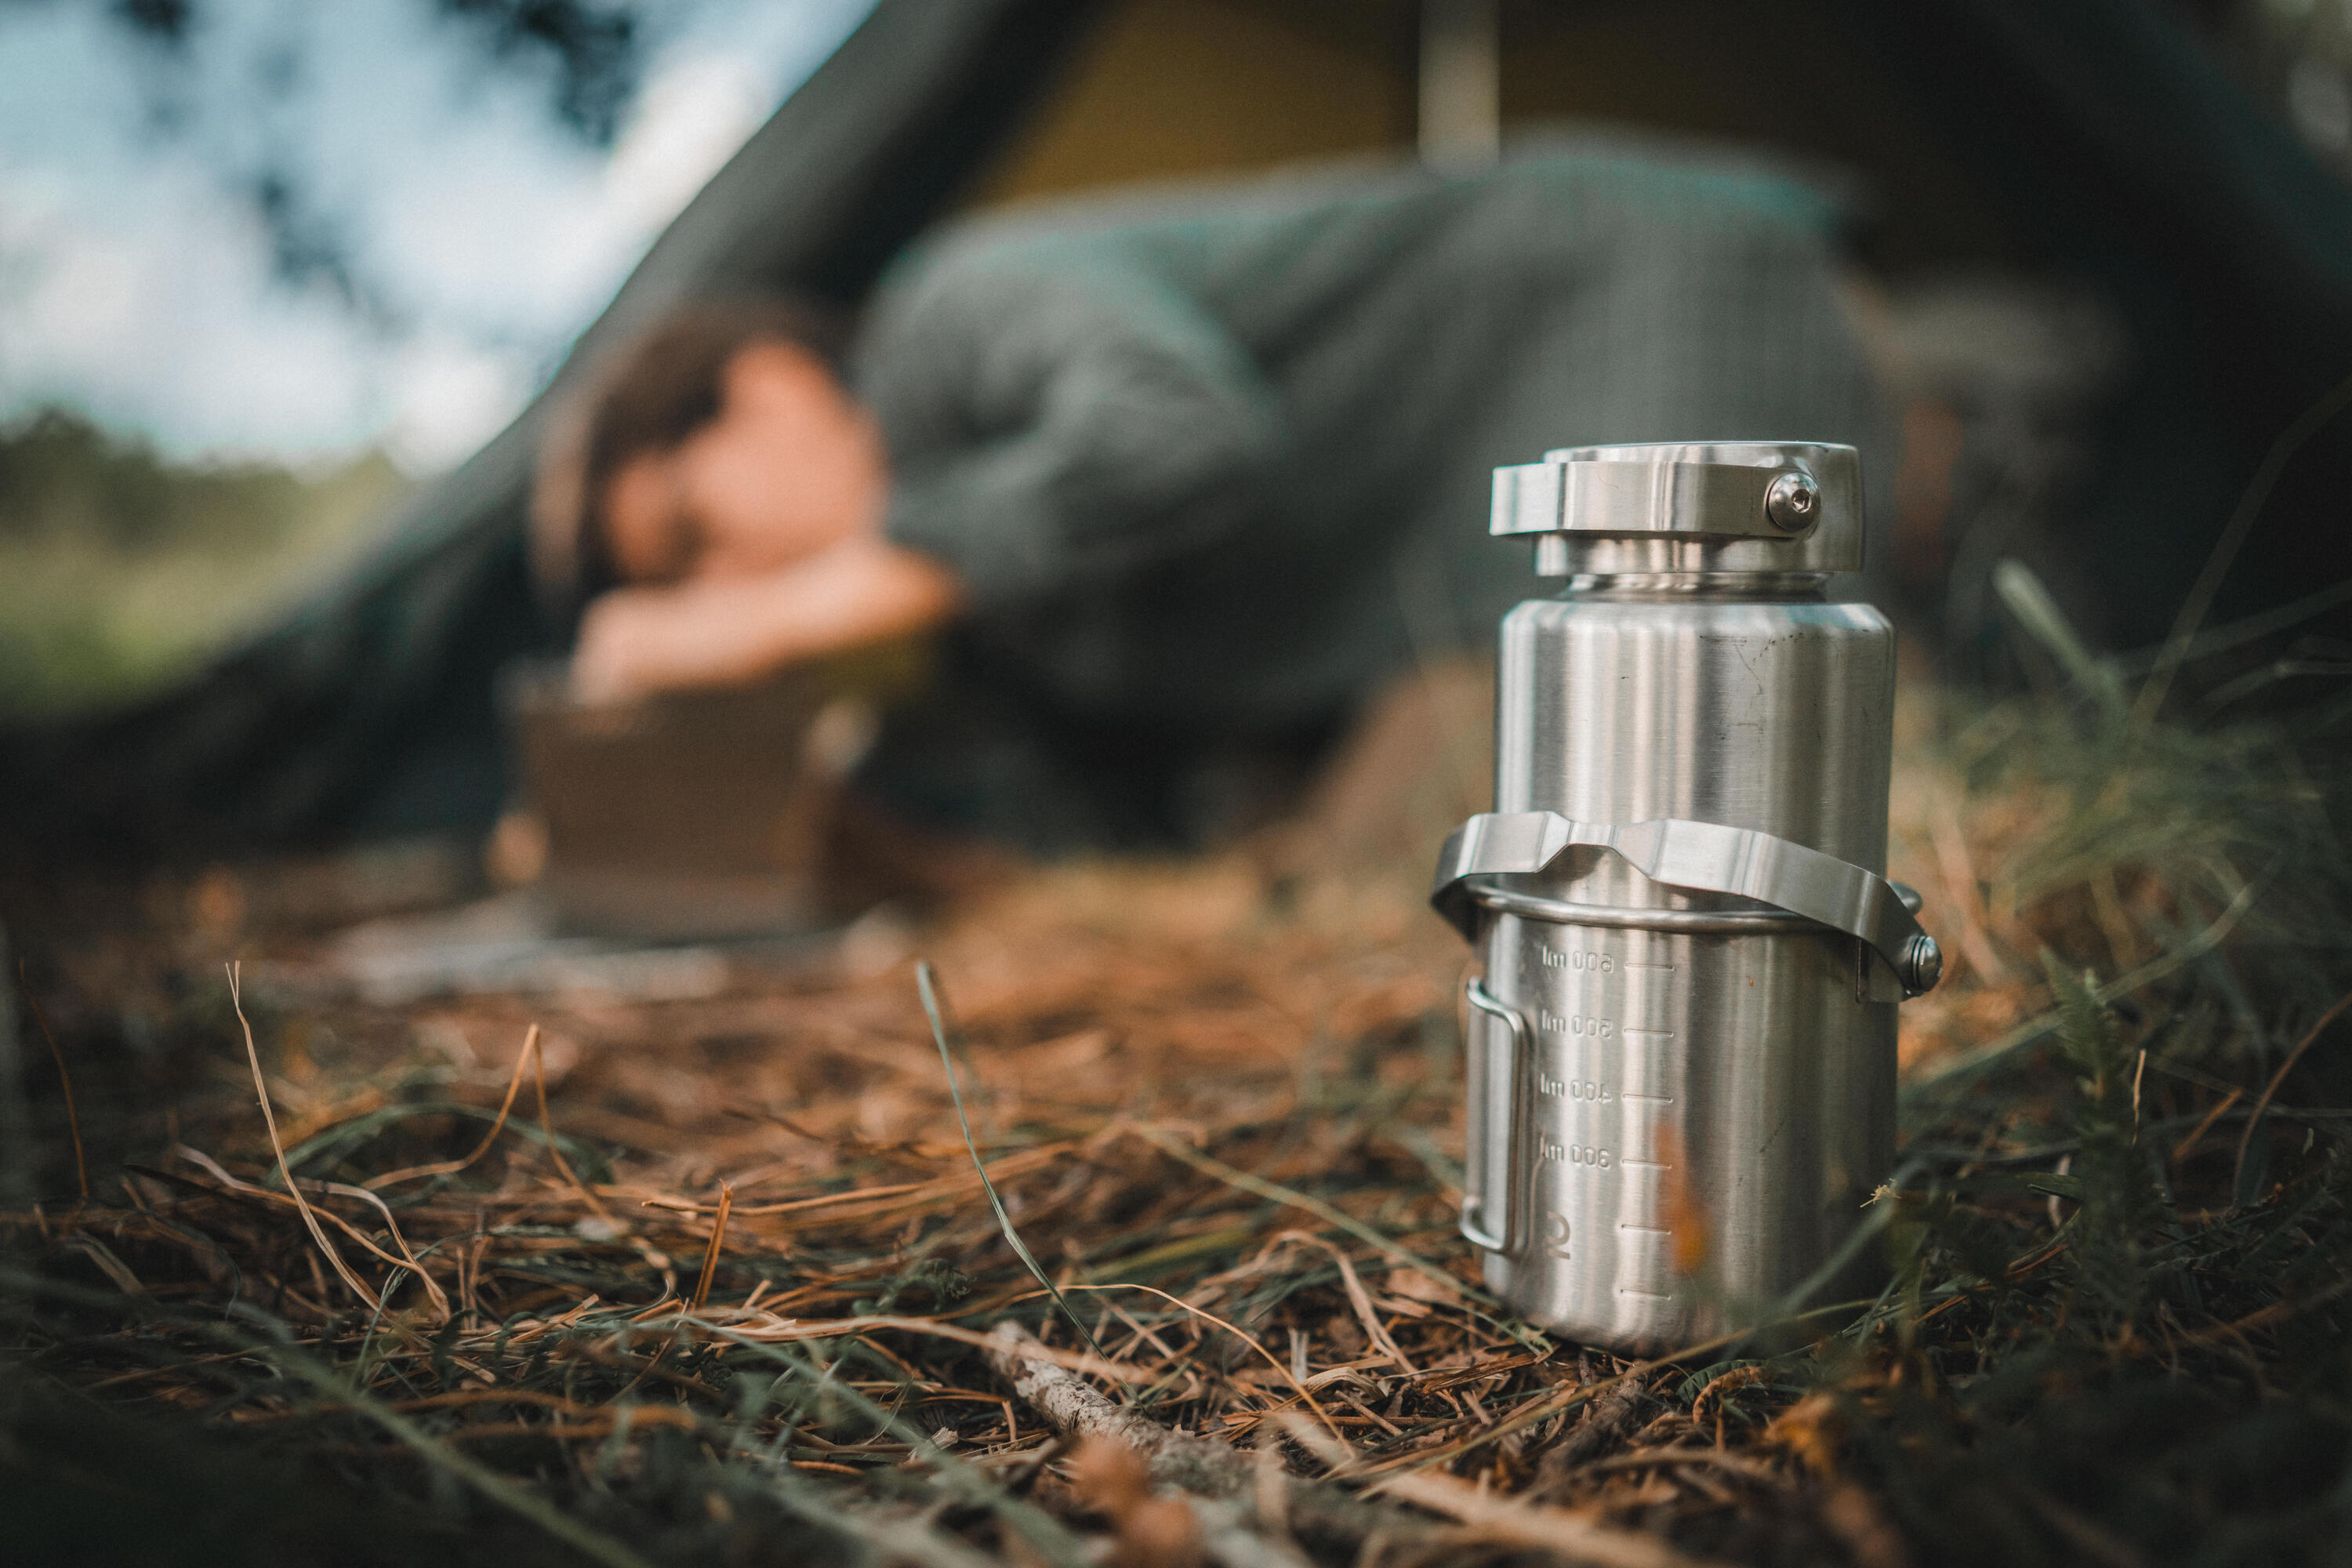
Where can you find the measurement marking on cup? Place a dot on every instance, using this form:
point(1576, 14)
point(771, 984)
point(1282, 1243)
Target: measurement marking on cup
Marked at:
point(1652, 1295)
point(1661, 1098)
point(1652, 1229)
point(1585, 1088)
point(1648, 1164)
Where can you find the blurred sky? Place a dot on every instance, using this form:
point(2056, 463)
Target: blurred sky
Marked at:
point(137, 280)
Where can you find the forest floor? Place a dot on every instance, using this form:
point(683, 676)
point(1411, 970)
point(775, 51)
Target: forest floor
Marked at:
point(715, 1276)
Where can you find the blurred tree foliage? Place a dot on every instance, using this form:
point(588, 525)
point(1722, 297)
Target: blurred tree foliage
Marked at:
point(588, 49)
point(588, 55)
point(593, 48)
point(120, 569)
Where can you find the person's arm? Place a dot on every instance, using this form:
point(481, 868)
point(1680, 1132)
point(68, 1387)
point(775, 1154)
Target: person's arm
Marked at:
point(1059, 413)
point(727, 631)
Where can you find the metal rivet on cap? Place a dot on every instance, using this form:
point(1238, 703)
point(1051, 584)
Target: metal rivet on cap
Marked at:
point(1923, 963)
point(1793, 502)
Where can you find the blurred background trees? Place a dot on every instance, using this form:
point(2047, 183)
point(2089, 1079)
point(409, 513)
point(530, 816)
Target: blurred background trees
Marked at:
point(120, 569)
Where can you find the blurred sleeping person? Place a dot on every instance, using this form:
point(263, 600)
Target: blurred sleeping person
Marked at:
point(1174, 482)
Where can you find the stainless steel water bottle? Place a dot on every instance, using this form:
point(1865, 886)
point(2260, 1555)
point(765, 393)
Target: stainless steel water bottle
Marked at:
point(1681, 1049)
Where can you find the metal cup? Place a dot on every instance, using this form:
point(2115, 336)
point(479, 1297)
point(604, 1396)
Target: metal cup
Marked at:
point(1682, 1052)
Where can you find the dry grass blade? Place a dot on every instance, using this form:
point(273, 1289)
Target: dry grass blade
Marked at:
point(892, 1540)
point(1266, 1356)
point(780, 1330)
point(2192, 615)
point(352, 1281)
point(1043, 1533)
point(1359, 1298)
point(1259, 1186)
point(392, 1227)
point(1963, 1066)
point(593, 1544)
point(2221, 1109)
point(404, 1258)
point(1560, 1400)
point(554, 1149)
point(710, 1253)
point(1555, 1530)
point(113, 1268)
point(65, 1080)
point(2254, 1120)
point(926, 985)
point(452, 1167)
point(879, 1198)
point(297, 1363)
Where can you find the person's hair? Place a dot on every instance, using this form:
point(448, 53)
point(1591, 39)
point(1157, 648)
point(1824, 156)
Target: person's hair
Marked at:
point(648, 396)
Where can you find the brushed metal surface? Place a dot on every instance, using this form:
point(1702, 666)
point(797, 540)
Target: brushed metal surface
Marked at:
point(1696, 1118)
point(1774, 716)
point(1695, 1123)
point(1692, 507)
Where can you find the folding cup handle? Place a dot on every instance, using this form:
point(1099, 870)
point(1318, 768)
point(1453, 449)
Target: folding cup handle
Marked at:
point(1490, 1168)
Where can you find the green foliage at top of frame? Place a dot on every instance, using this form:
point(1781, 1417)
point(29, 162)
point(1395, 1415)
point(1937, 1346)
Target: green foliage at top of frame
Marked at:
point(62, 477)
point(120, 569)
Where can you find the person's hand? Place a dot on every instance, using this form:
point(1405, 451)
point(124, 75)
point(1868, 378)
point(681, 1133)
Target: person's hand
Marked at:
point(727, 631)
